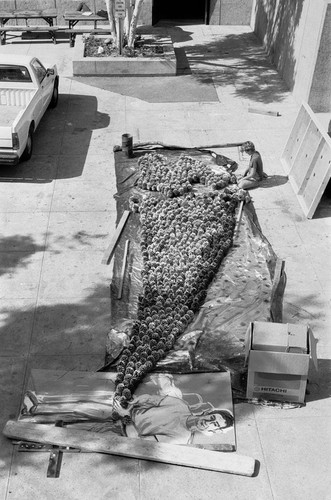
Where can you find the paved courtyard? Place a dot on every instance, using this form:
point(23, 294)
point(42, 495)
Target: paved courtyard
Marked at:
point(57, 216)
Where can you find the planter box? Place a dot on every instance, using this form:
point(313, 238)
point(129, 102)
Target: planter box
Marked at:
point(163, 64)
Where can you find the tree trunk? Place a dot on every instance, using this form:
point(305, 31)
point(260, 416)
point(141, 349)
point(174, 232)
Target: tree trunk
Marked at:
point(128, 17)
point(134, 21)
point(111, 18)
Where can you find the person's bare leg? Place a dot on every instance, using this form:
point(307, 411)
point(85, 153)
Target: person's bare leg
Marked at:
point(248, 184)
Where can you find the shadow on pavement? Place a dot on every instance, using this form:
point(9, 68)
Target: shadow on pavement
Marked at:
point(319, 386)
point(273, 181)
point(238, 60)
point(180, 88)
point(323, 210)
point(63, 131)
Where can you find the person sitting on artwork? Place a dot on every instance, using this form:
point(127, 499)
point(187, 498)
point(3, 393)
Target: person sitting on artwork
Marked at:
point(168, 419)
point(254, 173)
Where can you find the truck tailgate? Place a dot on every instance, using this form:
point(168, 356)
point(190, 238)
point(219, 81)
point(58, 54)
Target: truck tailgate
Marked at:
point(8, 115)
point(5, 137)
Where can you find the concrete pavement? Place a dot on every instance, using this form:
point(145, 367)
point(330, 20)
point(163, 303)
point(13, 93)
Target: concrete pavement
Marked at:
point(57, 216)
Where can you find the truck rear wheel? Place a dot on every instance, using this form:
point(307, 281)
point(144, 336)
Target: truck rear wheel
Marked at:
point(55, 95)
point(27, 153)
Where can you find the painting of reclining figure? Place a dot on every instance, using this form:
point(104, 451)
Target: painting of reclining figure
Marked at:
point(193, 409)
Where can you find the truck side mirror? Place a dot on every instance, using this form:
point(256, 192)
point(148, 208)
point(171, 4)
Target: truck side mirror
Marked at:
point(50, 71)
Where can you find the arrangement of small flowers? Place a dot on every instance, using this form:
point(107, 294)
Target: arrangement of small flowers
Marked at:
point(177, 178)
point(184, 237)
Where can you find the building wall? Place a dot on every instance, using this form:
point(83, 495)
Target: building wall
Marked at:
point(231, 12)
point(291, 32)
point(320, 92)
point(146, 13)
point(235, 12)
point(214, 12)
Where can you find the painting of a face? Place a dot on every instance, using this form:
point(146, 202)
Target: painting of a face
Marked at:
point(210, 423)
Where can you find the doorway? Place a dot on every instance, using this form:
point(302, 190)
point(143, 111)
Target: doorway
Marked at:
point(182, 10)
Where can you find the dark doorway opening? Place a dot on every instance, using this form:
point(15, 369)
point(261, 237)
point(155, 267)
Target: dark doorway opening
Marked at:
point(182, 10)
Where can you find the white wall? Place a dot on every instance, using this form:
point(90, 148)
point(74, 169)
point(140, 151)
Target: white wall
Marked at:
point(291, 31)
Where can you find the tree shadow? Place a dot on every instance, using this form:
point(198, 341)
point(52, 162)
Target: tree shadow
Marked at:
point(230, 60)
point(278, 25)
point(16, 251)
point(240, 59)
point(181, 88)
point(63, 131)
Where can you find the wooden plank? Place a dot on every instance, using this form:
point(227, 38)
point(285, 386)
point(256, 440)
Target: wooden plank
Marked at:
point(139, 144)
point(238, 220)
point(111, 248)
point(29, 28)
point(307, 158)
point(187, 456)
point(277, 291)
point(305, 155)
point(313, 164)
point(317, 183)
point(125, 256)
point(295, 139)
point(86, 29)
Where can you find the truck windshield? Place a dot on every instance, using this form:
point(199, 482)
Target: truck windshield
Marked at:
point(11, 73)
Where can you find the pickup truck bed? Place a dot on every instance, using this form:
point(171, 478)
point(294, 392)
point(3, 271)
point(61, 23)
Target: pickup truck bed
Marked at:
point(27, 90)
point(16, 96)
point(8, 114)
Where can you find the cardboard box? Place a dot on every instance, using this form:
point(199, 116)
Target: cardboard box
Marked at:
point(279, 337)
point(279, 356)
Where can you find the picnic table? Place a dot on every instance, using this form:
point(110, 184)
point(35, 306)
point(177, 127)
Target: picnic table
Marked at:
point(74, 18)
point(47, 15)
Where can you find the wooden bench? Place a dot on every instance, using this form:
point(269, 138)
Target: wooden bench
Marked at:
point(76, 17)
point(49, 29)
point(82, 30)
point(46, 15)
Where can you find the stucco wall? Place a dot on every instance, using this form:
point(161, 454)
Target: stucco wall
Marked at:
point(291, 32)
point(320, 92)
point(145, 17)
point(235, 12)
point(214, 12)
point(232, 12)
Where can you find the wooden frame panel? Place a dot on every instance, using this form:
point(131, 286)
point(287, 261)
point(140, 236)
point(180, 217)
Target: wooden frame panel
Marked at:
point(307, 159)
point(295, 139)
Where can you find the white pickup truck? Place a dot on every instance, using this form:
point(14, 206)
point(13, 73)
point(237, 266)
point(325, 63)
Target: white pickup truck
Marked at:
point(27, 89)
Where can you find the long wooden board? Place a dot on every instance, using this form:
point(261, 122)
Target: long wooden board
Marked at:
point(139, 144)
point(125, 258)
point(111, 248)
point(231, 463)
